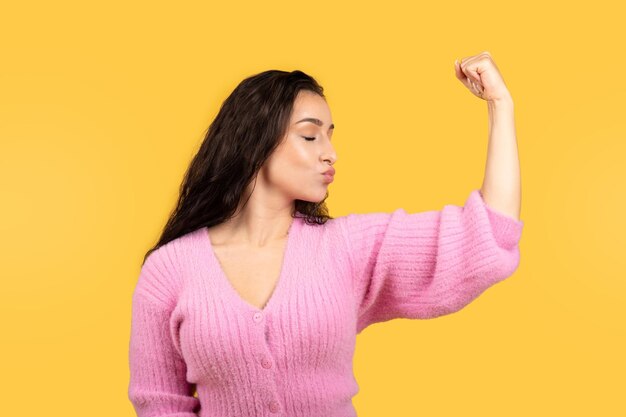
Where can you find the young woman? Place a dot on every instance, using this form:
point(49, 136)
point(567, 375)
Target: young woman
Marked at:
point(250, 303)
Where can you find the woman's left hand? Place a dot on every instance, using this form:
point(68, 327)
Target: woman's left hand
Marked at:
point(481, 76)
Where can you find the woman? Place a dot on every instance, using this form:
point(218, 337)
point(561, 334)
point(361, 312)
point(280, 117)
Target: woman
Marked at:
point(251, 301)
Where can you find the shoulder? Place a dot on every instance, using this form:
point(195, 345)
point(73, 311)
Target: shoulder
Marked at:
point(353, 230)
point(161, 275)
point(356, 224)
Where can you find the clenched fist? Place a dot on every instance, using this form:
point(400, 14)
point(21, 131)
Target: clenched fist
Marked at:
point(481, 76)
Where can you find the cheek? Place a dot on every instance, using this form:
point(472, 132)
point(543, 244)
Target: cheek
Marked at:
point(300, 154)
point(292, 165)
point(295, 159)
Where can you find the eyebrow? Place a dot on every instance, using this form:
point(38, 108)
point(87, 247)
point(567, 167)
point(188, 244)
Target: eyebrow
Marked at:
point(316, 121)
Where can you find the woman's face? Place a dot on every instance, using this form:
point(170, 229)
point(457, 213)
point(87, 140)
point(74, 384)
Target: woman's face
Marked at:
point(295, 169)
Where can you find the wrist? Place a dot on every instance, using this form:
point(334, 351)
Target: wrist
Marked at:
point(500, 103)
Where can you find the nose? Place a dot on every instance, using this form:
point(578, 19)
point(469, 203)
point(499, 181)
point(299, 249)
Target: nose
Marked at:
point(330, 158)
point(330, 155)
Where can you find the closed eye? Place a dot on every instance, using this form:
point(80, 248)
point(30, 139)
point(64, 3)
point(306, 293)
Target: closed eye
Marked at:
point(313, 138)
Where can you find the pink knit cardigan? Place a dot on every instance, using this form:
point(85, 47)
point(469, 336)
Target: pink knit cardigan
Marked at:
point(198, 349)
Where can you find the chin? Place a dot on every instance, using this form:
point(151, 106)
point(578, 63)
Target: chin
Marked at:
point(311, 195)
point(312, 198)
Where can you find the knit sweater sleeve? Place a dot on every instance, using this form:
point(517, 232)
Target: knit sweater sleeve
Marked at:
point(428, 264)
point(158, 385)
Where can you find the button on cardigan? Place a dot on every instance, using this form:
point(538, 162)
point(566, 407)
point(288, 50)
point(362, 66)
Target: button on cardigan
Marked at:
point(198, 349)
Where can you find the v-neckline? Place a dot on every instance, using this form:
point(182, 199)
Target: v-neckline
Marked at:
point(227, 285)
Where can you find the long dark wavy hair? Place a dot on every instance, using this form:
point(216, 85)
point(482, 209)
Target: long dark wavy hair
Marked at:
point(245, 132)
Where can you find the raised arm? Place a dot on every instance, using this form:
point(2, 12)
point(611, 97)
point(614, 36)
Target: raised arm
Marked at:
point(501, 186)
point(424, 265)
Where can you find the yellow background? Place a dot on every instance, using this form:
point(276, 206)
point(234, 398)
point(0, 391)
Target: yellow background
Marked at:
point(103, 105)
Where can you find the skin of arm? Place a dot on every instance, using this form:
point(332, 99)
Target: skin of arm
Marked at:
point(501, 187)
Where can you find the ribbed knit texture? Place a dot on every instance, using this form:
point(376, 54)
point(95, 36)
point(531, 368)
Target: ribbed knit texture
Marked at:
point(192, 331)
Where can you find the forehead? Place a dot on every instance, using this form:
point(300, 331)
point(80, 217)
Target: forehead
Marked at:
point(310, 105)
